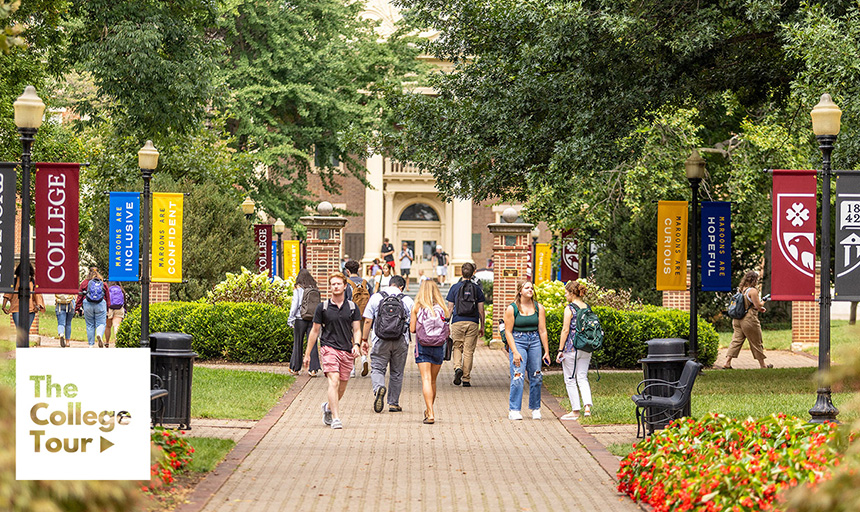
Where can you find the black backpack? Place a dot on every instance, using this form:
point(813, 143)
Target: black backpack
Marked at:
point(467, 299)
point(738, 307)
point(310, 301)
point(390, 322)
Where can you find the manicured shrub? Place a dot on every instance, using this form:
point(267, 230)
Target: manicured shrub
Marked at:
point(248, 287)
point(726, 464)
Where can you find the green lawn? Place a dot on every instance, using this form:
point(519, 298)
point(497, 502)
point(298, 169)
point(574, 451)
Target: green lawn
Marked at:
point(738, 393)
point(840, 334)
point(48, 325)
point(208, 452)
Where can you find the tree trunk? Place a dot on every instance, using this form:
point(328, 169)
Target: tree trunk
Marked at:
point(852, 318)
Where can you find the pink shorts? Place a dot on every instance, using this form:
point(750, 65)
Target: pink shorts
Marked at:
point(336, 361)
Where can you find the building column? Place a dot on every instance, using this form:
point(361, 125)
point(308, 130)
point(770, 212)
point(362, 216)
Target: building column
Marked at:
point(511, 249)
point(461, 250)
point(805, 317)
point(373, 209)
point(389, 218)
point(323, 242)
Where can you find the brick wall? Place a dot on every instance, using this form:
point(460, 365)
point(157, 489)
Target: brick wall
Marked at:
point(323, 244)
point(159, 292)
point(805, 317)
point(678, 299)
point(511, 263)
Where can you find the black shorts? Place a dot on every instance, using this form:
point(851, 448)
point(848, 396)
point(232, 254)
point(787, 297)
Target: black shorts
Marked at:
point(405, 272)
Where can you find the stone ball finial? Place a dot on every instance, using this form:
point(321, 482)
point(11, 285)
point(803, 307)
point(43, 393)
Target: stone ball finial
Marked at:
point(510, 215)
point(325, 208)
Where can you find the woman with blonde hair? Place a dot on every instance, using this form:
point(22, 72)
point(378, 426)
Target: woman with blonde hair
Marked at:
point(748, 327)
point(429, 321)
point(525, 332)
point(574, 363)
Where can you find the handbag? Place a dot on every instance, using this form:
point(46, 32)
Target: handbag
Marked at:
point(449, 343)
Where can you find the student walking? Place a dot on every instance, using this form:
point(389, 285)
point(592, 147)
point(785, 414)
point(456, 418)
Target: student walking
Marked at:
point(64, 307)
point(440, 257)
point(358, 291)
point(428, 322)
point(387, 314)
point(525, 331)
point(115, 311)
point(748, 327)
point(92, 303)
point(574, 363)
point(10, 300)
point(306, 298)
point(466, 303)
point(406, 258)
point(336, 326)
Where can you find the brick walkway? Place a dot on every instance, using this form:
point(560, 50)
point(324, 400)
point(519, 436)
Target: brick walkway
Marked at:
point(473, 458)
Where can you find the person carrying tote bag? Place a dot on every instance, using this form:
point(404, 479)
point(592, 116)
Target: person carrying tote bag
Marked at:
point(429, 322)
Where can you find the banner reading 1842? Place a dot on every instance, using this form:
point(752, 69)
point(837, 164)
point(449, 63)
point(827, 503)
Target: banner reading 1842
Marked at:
point(167, 238)
point(7, 225)
point(848, 237)
point(716, 246)
point(124, 236)
point(672, 245)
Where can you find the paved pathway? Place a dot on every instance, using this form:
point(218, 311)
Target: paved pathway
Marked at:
point(473, 458)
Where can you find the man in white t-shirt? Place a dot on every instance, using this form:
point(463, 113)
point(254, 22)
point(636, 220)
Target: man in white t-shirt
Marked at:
point(406, 258)
point(441, 259)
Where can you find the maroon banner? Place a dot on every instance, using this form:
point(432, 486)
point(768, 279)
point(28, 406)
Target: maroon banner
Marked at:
point(263, 243)
point(569, 257)
point(793, 235)
point(57, 189)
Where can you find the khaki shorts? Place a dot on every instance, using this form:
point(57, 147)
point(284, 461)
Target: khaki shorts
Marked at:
point(116, 313)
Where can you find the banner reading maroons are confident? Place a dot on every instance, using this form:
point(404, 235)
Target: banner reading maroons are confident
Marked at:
point(716, 246)
point(292, 258)
point(167, 238)
point(124, 236)
point(57, 227)
point(672, 245)
point(8, 177)
point(543, 263)
point(793, 235)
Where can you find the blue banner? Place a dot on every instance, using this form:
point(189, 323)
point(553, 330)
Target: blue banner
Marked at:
point(276, 266)
point(124, 236)
point(716, 246)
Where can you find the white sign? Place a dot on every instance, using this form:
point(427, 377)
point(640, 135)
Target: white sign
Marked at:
point(82, 414)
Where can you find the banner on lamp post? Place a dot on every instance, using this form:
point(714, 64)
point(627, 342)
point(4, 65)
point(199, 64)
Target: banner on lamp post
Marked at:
point(292, 258)
point(274, 256)
point(543, 263)
point(8, 206)
point(847, 238)
point(672, 245)
point(167, 211)
point(57, 227)
point(263, 241)
point(124, 232)
point(793, 235)
point(716, 225)
point(569, 264)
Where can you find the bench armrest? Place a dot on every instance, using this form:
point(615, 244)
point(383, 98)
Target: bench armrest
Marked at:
point(653, 382)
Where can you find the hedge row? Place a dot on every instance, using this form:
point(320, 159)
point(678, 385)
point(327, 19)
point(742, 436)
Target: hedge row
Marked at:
point(627, 331)
point(246, 332)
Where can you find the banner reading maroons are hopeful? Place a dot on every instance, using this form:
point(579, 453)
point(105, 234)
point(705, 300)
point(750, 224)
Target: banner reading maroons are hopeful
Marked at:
point(124, 236)
point(57, 227)
point(167, 237)
point(793, 235)
point(262, 241)
point(7, 225)
point(716, 246)
point(672, 245)
point(847, 237)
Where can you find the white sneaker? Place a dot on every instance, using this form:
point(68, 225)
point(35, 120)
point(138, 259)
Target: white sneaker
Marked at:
point(326, 414)
point(536, 414)
point(515, 415)
point(352, 373)
point(574, 415)
point(336, 424)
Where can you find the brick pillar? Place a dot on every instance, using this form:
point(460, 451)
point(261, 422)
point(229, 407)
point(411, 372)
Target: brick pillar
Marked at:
point(323, 244)
point(679, 299)
point(805, 318)
point(159, 292)
point(511, 250)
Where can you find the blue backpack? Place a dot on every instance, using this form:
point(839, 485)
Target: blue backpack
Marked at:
point(95, 290)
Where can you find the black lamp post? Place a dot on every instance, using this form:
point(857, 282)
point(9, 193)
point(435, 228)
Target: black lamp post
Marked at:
point(826, 118)
point(147, 160)
point(695, 167)
point(279, 230)
point(29, 109)
point(535, 234)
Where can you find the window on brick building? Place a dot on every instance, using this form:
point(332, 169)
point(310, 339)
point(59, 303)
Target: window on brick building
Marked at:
point(419, 211)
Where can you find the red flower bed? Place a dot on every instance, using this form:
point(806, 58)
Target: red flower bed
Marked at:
point(725, 464)
point(173, 455)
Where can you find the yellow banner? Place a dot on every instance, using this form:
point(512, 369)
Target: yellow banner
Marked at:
point(543, 263)
point(167, 238)
point(672, 245)
point(292, 258)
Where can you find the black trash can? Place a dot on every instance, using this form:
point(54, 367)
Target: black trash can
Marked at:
point(665, 361)
point(173, 361)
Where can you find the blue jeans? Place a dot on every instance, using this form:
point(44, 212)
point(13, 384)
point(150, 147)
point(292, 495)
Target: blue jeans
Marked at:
point(30, 324)
point(65, 313)
point(529, 346)
point(95, 316)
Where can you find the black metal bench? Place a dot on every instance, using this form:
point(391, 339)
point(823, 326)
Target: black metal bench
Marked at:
point(157, 394)
point(658, 401)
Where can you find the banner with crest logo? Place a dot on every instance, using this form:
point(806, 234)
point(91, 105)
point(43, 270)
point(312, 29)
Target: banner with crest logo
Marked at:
point(569, 257)
point(793, 235)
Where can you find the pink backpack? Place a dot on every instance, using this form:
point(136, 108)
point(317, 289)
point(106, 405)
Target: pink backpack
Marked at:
point(433, 329)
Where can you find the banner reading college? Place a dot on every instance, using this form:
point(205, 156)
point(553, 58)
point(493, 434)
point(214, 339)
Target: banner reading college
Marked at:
point(167, 238)
point(672, 245)
point(57, 227)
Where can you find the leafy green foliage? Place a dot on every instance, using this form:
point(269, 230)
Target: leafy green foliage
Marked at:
point(173, 454)
point(248, 287)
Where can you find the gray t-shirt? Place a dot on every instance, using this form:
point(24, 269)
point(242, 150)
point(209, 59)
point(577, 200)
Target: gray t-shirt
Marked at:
point(404, 261)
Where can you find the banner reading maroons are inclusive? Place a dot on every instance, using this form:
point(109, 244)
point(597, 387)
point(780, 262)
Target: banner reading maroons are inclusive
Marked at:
point(124, 236)
point(793, 235)
point(716, 246)
point(8, 177)
point(672, 245)
point(167, 237)
point(57, 227)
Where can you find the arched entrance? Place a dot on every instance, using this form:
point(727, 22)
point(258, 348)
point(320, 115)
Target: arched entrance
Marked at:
point(420, 226)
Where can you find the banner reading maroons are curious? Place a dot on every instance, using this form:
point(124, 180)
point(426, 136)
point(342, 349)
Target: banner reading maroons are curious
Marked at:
point(672, 245)
point(716, 246)
point(57, 227)
point(8, 177)
point(167, 237)
point(793, 235)
point(124, 237)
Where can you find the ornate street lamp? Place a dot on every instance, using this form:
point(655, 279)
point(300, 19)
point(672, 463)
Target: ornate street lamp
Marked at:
point(826, 118)
point(695, 167)
point(279, 230)
point(535, 234)
point(29, 109)
point(147, 161)
point(248, 207)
